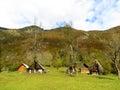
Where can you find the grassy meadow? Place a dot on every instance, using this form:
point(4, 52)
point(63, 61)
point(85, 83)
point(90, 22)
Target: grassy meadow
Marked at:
point(57, 80)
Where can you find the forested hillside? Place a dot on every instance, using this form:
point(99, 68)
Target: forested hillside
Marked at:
point(55, 47)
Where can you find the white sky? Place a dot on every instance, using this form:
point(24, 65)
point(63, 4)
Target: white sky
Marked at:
point(84, 14)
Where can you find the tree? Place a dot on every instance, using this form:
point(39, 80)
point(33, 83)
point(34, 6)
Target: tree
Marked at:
point(37, 44)
point(57, 63)
point(114, 52)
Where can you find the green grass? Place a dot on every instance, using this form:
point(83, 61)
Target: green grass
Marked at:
point(57, 80)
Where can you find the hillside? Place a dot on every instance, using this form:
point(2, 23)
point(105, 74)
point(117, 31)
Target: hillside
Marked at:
point(53, 46)
point(2, 28)
point(114, 29)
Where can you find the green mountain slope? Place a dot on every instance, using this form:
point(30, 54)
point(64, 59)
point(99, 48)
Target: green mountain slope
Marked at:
point(16, 46)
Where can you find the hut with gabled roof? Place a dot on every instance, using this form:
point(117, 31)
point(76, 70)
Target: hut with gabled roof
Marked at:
point(36, 68)
point(23, 67)
point(96, 68)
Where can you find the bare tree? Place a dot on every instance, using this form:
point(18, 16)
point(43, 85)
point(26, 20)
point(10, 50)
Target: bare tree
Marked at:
point(35, 46)
point(68, 24)
point(0, 58)
point(71, 55)
point(114, 52)
point(37, 43)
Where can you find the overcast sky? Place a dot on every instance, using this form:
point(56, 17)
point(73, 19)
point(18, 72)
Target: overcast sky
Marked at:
point(84, 14)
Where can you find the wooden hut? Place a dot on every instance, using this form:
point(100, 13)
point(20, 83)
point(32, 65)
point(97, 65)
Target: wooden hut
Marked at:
point(36, 67)
point(23, 67)
point(84, 70)
point(95, 69)
point(71, 70)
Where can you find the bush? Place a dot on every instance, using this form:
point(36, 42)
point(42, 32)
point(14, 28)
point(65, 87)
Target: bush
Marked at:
point(57, 63)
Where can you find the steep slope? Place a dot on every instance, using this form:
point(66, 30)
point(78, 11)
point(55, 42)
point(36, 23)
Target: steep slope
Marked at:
point(17, 45)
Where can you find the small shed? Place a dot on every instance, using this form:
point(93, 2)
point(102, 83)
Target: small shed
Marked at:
point(23, 67)
point(36, 67)
point(95, 69)
point(84, 70)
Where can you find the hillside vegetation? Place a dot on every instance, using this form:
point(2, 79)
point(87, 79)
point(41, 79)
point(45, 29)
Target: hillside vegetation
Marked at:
point(54, 47)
